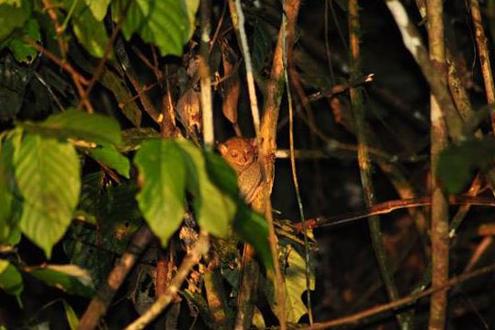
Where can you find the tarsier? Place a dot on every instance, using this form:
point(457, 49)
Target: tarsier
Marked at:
point(242, 155)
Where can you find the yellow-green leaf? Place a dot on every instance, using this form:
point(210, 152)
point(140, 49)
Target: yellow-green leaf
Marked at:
point(48, 176)
point(162, 176)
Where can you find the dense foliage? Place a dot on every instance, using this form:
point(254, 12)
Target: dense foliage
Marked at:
point(107, 171)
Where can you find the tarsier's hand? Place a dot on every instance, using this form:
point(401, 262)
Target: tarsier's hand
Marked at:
point(242, 155)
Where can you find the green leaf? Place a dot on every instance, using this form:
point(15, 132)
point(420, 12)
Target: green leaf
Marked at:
point(10, 279)
point(214, 209)
point(98, 8)
point(109, 156)
point(252, 228)
point(221, 173)
point(71, 316)
point(458, 163)
point(167, 24)
point(13, 14)
point(47, 173)
point(22, 51)
point(90, 32)
point(69, 278)
point(163, 180)
point(295, 283)
point(75, 124)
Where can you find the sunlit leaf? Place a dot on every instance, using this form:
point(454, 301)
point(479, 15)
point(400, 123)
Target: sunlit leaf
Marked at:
point(109, 156)
point(77, 124)
point(167, 24)
point(214, 208)
point(295, 283)
point(98, 8)
point(69, 278)
point(162, 175)
point(71, 316)
point(47, 173)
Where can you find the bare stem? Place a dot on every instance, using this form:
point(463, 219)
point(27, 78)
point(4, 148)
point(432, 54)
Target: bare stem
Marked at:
point(439, 205)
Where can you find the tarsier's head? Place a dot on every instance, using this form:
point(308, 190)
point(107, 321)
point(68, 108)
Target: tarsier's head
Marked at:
point(238, 152)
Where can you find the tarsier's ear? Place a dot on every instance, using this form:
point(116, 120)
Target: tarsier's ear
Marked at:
point(222, 148)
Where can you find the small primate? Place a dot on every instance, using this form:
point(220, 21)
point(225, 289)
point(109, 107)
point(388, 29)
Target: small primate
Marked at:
point(242, 155)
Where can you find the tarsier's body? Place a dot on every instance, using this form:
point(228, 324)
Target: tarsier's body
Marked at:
point(242, 155)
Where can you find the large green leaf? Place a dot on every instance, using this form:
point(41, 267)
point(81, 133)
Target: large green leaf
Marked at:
point(458, 163)
point(167, 24)
point(214, 208)
point(75, 124)
point(69, 278)
point(47, 173)
point(10, 279)
point(109, 156)
point(13, 14)
point(162, 175)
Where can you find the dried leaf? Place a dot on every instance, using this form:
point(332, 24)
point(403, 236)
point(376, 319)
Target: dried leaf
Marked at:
point(232, 89)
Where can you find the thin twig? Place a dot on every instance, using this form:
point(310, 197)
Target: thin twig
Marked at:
point(237, 16)
point(274, 91)
point(405, 320)
point(52, 13)
point(484, 56)
point(77, 78)
point(205, 79)
point(412, 40)
point(108, 50)
point(389, 207)
point(192, 259)
point(296, 182)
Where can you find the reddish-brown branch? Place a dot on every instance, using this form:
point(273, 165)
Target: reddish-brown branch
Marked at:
point(99, 304)
point(388, 207)
point(484, 55)
point(76, 77)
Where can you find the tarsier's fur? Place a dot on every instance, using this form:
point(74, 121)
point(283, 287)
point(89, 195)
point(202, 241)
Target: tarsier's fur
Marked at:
point(242, 155)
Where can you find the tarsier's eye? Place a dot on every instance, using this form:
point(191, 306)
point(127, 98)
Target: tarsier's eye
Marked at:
point(234, 154)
